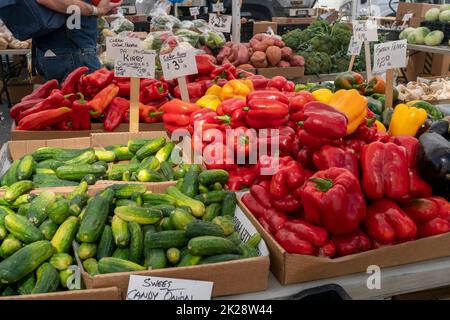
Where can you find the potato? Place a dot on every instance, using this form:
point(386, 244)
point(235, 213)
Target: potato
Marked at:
point(279, 43)
point(297, 61)
point(259, 60)
point(273, 54)
point(283, 64)
point(286, 53)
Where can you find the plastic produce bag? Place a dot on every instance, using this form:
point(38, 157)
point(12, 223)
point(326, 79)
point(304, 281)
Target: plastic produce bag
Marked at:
point(212, 39)
point(121, 24)
point(189, 36)
point(144, 6)
point(155, 40)
point(161, 20)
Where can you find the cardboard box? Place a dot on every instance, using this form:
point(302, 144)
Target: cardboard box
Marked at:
point(111, 293)
point(263, 26)
point(95, 128)
point(286, 20)
point(418, 9)
point(293, 268)
point(288, 72)
point(18, 90)
point(231, 277)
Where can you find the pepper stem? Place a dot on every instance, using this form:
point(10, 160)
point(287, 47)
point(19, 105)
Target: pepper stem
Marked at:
point(300, 123)
point(160, 89)
point(322, 184)
point(225, 118)
point(156, 114)
point(81, 100)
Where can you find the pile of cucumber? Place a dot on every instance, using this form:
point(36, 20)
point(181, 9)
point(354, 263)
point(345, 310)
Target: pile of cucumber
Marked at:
point(36, 234)
point(146, 160)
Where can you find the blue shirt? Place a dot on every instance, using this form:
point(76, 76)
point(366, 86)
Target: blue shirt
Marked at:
point(83, 38)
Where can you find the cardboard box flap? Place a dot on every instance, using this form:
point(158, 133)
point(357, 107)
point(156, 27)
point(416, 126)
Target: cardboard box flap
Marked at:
point(111, 293)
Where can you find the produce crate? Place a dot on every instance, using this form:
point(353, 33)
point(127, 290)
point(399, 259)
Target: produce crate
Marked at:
point(231, 277)
point(288, 72)
point(294, 268)
point(111, 293)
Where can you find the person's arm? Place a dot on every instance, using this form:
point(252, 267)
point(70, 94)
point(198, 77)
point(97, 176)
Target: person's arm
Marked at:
point(86, 9)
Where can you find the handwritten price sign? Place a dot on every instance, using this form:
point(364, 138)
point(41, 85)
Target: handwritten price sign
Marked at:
point(354, 47)
point(136, 63)
point(194, 11)
point(389, 55)
point(365, 30)
point(220, 23)
point(114, 44)
point(218, 7)
point(178, 64)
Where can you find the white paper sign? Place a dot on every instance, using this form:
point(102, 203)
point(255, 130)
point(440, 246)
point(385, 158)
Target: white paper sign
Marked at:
point(158, 288)
point(114, 44)
point(220, 23)
point(354, 47)
point(365, 30)
point(218, 7)
point(408, 16)
point(195, 11)
point(136, 63)
point(389, 55)
point(178, 63)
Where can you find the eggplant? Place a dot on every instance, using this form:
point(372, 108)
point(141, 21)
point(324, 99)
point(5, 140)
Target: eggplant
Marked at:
point(434, 162)
point(441, 127)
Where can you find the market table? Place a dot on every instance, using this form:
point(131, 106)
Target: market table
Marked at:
point(394, 281)
point(6, 71)
point(430, 49)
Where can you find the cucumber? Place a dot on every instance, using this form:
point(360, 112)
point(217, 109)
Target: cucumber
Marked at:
point(77, 204)
point(126, 203)
point(229, 204)
point(17, 189)
point(150, 163)
point(9, 291)
point(105, 155)
point(179, 183)
point(220, 258)
point(87, 250)
point(226, 222)
point(155, 258)
point(4, 211)
point(148, 175)
point(134, 160)
point(21, 200)
point(166, 170)
point(190, 183)
point(198, 208)
point(120, 231)
point(9, 245)
point(64, 276)
point(197, 228)
point(80, 190)
point(166, 209)
point(212, 196)
point(49, 164)
point(106, 244)
point(216, 186)
point(209, 177)
point(26, 168)
point(135, 144)
point(51, 180)
point(121, 152)
point(10, 175)
point(165, 239)
point(76, 172)
point(102, 163)
point(165, 224)
point(247, 251)
point(136, 242)
point(164, 153)
point(61, 261)
point(121, 253)
point(179, 218)
point(24, 261)
point(173, 255)
point(212, 211)
point(23, 209)
point(22, 229)
point(94, 219)
point(112, 265)
point(202, 189)
point(3, 232)
point(48, 229)
point(137, 197)
point(86, 157)
point(234, 237)
point(61, 154)
point(45, 171)
point(117, 170)
point(210, 245)
point(62, 240)
point(254, 240)
point(26, 284)
point(189, 260)
point(158, 198)
point(124, 191)
point(90, 179)
point(150, 148)
point(91, 266)
point(179, 173)
point(39, 207)
point(148, 228)
point(48, 280)
point(58, 211)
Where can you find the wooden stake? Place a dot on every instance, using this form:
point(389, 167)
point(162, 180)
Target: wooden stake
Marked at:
point(134, 105)
point(368, 60)
point(389, 88)
point(352, 61)
point(236, 22)
point(183, 89)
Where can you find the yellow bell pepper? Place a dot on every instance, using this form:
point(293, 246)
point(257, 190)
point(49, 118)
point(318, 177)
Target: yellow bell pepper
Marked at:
point(214, 90)
point(322, 95)
point(209, 101)
point(406, 120)
point(236, 89)
point(380, 126)
point(353, 105)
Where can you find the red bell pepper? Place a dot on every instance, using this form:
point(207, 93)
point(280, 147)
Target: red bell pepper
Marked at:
point(115, 113)
point(275, 219)
point(281, 83)
point(266, 112)
point(304, 157)
point(205, 64)
point(386, 223)
point(270, 95)
point(293, 243)
point(433, 227)
point(365, 132)
point(262, 195)
point(418, 188)
point(321, 124)
point(333, 199)
point(316, 235)
point(124, 85)
point(70, 84)
point(297, 104)
point(443, 205)
point(351, 243)
point(421, 210)
point(259, 82)
point(286, 179)
point(177, 114)
point(233, 112)
point(22, 106)
point(329, 156)
point(155, 91)
point(43, 119)
point(411, 145)
point(81, 117)
point(43, 91)
point(254, 206)
point(93, 83)
point(226, 71)
point(354, 145)
point(55, 100)
point(240, 177)
point(384, 171)
point(102, 100)
point(64, 125)
point(196, 90)
point(218, 156)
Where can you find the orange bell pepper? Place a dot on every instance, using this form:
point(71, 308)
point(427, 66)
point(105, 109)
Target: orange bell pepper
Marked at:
point(353, 105)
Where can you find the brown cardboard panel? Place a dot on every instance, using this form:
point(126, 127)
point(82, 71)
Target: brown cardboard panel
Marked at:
point(286, 20)
point(110, 293)
point(419, 9)
point(262, 26)
point(288, 72)
point(59, 134)
point(294, 268)
point(107, 139)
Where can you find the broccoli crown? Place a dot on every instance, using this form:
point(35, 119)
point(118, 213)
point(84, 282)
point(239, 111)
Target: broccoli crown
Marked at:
point(316, 62)
point(323, 43)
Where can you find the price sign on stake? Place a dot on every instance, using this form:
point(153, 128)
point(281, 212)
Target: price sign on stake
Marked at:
point(114, 44)
point(354, 47)
point(408, 16)
point(365, 30)
point(194, 11)
point(220, 23)
point(218, 7)
point(389, 55)
point(137, 63)
point(158, 288)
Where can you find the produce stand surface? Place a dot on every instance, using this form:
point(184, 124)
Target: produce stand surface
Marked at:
point(430, 49)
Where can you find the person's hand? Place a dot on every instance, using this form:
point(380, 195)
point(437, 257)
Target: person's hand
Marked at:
point(106, 6)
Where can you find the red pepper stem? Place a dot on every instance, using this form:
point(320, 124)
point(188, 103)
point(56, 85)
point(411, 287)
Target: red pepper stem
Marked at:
point(246, 108)
point(160, 89)
point(156, 114)
point(301, 123)
point(69, 95)
point(322, 184)
point(370, 121)
point(81, 100)
point(225, 118)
